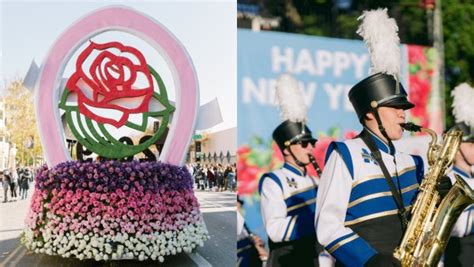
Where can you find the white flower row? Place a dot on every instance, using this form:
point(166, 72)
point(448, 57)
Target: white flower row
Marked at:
point(120, 246)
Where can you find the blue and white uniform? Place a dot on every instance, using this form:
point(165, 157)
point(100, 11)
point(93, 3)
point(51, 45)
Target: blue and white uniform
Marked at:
point(460, 248)
point(288, 203)
point(356, 215)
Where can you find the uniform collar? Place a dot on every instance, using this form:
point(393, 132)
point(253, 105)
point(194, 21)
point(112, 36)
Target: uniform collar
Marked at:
point(381, 145)
point(461, 172)
point(292, 168)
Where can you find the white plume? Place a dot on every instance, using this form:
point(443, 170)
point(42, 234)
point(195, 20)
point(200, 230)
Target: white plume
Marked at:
point(290, 99)
point(463, 104)
point(380, 34)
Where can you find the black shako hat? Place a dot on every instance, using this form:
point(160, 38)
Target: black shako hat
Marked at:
point(381, 88)
point(289, 133)
point(467, 132)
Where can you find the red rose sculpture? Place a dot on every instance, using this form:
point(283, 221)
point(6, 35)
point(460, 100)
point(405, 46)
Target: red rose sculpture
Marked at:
point(111, 77)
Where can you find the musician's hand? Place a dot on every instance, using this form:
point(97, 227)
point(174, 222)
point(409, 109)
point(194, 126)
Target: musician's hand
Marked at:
point(382, 260)
point(260, 246)
point(444, 186)
point(258, 241)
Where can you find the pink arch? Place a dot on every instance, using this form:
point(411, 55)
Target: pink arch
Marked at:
point(123, 19)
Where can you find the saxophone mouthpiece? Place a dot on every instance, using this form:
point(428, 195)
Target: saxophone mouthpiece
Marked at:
point(411, 127)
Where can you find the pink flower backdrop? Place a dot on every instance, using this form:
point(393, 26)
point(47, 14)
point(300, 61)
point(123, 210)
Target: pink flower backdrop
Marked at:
point(421, 68)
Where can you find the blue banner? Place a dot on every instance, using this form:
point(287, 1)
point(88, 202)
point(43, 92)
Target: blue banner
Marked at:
point(326, 69)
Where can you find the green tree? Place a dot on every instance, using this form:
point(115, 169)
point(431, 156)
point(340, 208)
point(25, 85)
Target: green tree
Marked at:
point(458, 18)
point(21, 122)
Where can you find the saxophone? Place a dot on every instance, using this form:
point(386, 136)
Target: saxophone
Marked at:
point(433, 218)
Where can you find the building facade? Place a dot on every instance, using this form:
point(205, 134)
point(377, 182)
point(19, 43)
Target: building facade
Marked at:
point(216, 148)
point(4, 137)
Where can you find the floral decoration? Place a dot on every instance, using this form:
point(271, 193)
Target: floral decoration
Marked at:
point(421, 70)
point(114, 210)
point(253, 161)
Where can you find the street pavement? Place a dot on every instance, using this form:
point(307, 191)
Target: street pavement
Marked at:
point(218, 209)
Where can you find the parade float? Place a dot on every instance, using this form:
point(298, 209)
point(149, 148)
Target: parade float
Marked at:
point(114, 206)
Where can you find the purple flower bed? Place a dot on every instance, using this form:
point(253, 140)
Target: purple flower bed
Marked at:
point(112, 175)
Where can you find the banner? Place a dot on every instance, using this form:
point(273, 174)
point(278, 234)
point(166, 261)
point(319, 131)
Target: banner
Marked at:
point(325, 67)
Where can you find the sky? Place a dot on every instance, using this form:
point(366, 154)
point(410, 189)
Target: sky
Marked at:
point(207, 30)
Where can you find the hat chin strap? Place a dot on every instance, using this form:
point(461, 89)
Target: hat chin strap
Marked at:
point(297, 161)
point(382, 129)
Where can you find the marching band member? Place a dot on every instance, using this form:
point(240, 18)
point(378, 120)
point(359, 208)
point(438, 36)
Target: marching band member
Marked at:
point(288, 195)
point(367, 186)
point(459, 251)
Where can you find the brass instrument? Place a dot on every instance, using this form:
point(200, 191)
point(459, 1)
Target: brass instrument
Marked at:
point(433, 218)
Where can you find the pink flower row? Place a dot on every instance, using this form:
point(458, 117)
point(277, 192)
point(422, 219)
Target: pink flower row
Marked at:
point(108, 213)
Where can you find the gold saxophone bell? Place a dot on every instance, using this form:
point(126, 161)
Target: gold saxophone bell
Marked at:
point(433, 218)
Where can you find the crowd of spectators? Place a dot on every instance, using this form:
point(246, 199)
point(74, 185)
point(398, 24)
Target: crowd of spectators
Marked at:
point(213, 176)
point(16, 183)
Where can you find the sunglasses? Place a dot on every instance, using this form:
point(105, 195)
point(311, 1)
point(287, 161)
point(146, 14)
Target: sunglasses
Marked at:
point(305, 143)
